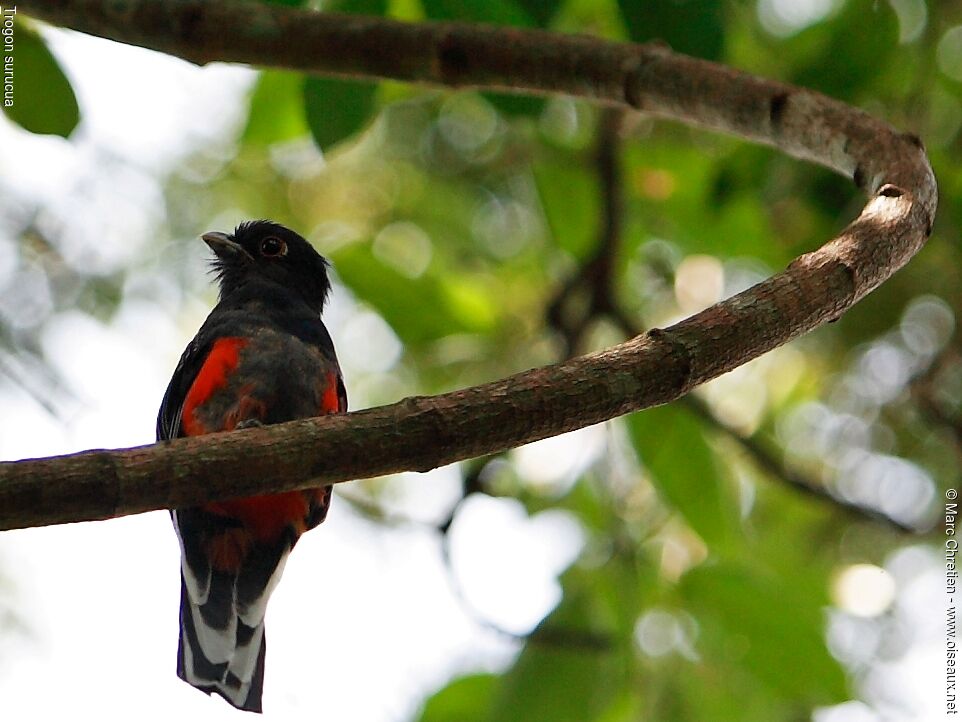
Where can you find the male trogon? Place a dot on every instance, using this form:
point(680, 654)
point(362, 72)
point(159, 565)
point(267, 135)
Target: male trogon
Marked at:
point(263, 356)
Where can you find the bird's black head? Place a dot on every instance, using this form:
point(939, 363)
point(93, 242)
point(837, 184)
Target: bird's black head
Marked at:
point(263, 251)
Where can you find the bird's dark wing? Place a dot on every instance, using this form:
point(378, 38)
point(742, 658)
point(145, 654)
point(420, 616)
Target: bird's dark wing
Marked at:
point(191, 361)
point(341, 393)
point(314, 332)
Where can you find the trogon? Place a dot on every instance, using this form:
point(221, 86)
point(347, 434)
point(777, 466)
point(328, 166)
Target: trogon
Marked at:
point(263, 356)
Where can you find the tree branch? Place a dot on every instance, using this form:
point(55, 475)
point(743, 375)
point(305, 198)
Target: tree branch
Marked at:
point(595, 276)
point(424, 432)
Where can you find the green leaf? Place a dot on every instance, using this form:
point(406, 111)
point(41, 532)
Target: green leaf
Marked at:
point(40, 98)
point(769, 626)
point(844, 66)
point(276, 109)
point(419, 310)
point(570, 198)
point(619, 590)
point(588, 502)
point(555, 683)
point(463, 700)
point(695, 27)
point(559, 679)
point(358, 7)
point(336, 109)
point(511, 104)
point(498, 12)
point(671, 444)
point(721, 690)
point(541, 11)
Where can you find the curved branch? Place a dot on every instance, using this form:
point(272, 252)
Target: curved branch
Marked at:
point(424, 432)
point(596, 275)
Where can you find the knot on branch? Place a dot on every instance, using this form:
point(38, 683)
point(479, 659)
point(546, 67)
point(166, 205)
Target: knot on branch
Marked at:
point(452, 59)
point(679, 353)
point(776, 109)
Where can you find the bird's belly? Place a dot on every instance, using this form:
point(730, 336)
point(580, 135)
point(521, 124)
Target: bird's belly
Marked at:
point(267, 377)
point(265, 517)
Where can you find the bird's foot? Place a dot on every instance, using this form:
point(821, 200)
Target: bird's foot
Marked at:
point(248, 424)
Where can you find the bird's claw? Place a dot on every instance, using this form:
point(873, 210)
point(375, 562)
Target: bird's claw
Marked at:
point(248, 424)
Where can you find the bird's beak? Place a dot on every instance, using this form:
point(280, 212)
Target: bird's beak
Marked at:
point(222, 246)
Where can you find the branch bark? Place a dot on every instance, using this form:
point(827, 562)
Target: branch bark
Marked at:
point(424, 432)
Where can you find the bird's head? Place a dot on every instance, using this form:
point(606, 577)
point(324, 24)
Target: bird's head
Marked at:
point(268, 252)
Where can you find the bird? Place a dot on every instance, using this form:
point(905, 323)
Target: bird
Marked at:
point(263, 356)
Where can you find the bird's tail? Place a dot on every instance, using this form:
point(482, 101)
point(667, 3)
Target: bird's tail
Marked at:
point(218, 653)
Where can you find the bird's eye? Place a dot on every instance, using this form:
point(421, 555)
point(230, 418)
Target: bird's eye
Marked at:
point(273, 246)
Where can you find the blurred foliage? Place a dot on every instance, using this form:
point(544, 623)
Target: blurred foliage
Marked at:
point(52, 111)
point(459, 217)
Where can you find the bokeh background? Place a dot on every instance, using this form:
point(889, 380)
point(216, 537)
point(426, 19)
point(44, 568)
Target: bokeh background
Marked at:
point(664, 566)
